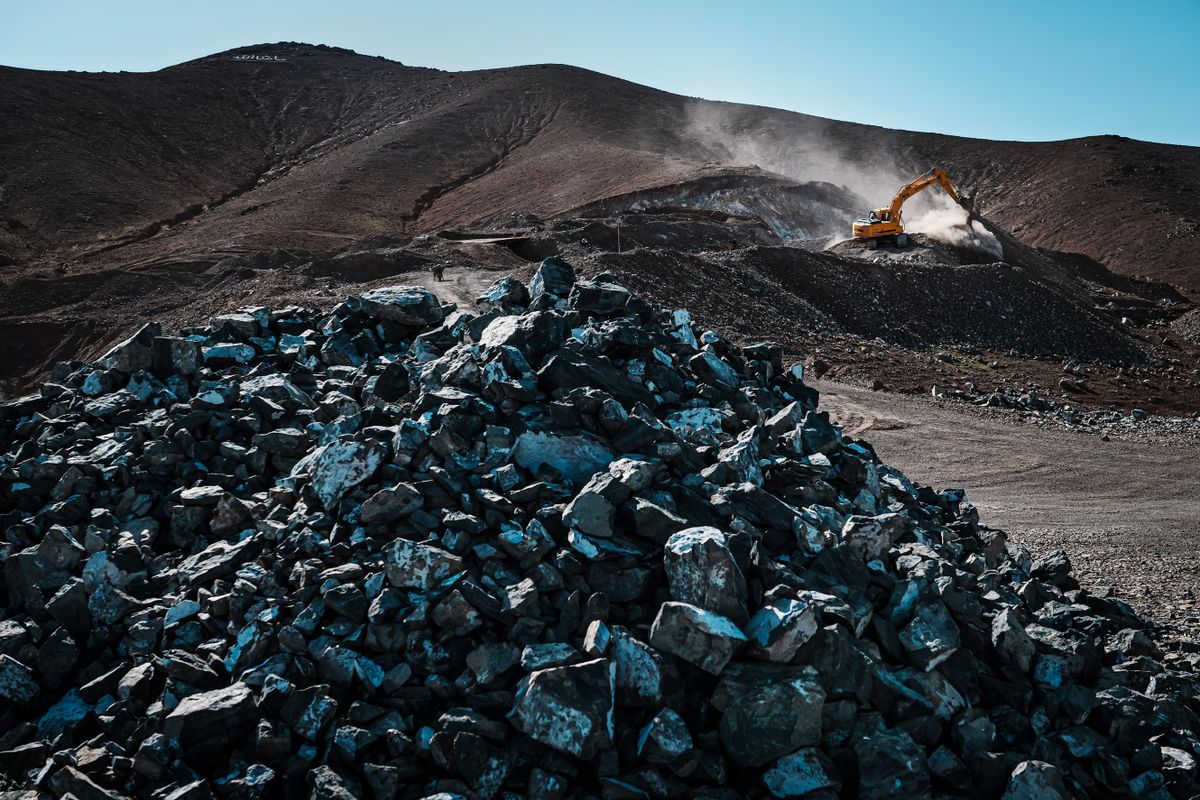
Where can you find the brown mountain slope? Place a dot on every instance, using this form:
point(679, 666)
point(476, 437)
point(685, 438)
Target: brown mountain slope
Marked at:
point(328, 146)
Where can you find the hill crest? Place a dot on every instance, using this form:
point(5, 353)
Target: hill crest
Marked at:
point(215, 152)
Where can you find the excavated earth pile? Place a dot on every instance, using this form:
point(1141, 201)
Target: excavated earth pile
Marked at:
point(563, 545)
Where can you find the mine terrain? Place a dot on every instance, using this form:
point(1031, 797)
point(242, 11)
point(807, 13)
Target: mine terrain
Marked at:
point(373, 430)
point(184, 187)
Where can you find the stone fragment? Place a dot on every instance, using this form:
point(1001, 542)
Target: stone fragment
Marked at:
point(575, 457)
point(212, 718)
point(217, 560)
point(890, 763)
point(590, 513)
point(664, 738)
point(505, 293)
point(17, 682)
point(70, 782)
point(521, 597)
point(931, 636)
point(225, 354)
point(1035, 780)
point(568, 708)
point(489, 662)
point(597, 638)
point(338, 467)
point(135, 353)
point(768, 710)
point(1011, 641)
point(329, 785)
point(703, 572)
point(778, 630)
point(799, 773)
point(410, 565)
point(175, 356)
point(554, 277)
point(642, 673)
point(698, 636)
point(391, 504)
point(405, 305)
point(569, 370)
point(598, 297)
point(550, 654)
point(870, 537)
point(712, 369)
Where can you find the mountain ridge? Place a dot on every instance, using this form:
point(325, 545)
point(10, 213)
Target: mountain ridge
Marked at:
point(214, 152)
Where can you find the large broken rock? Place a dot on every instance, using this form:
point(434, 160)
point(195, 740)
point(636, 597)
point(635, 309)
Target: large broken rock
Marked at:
point(700, 637)
point(389, 505)
point(411, 565)
point(1011, 641)
point(135, 353)
point(212, 719)
point(890, 763)
point(338, 467)
point(1035, 780)
point(568, 370)
point(598, 297)
point(768, 711)
point(554, 278)
point(800, 773)
point(568, 708)
point(576, 458)
point(664, 738)
point(931, 636)
point(702, 571)
point(17, 683)
point(642, 676)
point(407, 305)
point(778, 630)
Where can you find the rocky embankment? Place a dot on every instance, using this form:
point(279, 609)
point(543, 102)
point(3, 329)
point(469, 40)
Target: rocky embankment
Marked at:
point(1039, 408)
point(564, 545)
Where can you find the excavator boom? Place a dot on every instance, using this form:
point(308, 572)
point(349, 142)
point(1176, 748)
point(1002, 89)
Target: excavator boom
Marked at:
point(934, 175)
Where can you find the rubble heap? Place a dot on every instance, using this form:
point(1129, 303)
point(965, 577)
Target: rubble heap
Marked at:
point(1039, 408)
point(1032, 403)
point(563, 545)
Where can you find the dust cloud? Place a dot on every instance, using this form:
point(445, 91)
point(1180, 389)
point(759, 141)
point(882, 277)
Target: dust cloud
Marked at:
point(736, 136)
point(733, 137)
point(946, 221)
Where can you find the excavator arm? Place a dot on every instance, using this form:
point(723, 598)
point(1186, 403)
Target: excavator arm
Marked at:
point(931, 177)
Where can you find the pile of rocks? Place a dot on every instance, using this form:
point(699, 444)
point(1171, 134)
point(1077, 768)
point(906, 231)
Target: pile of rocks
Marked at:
point(1040, 408)
point(563, 545)
point(1032, 403)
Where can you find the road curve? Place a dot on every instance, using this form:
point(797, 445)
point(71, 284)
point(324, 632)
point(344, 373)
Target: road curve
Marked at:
point(1124, 511)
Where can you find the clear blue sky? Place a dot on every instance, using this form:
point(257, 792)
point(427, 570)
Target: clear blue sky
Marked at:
point(1015, 69)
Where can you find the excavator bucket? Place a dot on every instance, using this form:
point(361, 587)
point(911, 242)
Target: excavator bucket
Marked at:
point(968, 202)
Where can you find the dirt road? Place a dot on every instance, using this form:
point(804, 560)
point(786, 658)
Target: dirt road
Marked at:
point(1124, 511)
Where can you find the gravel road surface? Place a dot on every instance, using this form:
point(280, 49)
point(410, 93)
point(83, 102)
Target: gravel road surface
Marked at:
point(1125, 511)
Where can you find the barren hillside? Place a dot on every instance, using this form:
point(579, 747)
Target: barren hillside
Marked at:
point(320, 146)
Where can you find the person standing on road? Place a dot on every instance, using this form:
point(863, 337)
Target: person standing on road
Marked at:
point(439, 271)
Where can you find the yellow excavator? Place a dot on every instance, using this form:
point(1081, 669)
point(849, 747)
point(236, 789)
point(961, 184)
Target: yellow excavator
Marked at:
point(884, 225)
